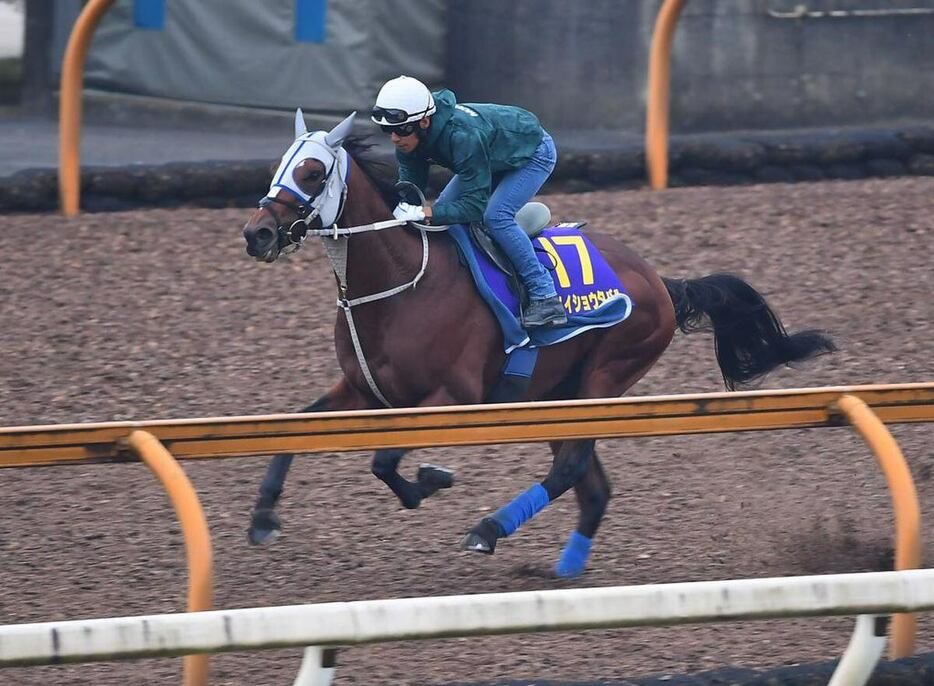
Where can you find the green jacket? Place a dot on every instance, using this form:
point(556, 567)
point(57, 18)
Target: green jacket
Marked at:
point(474, 141)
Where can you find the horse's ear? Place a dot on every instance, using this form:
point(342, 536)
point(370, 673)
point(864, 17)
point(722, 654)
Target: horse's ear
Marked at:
point(336, 136)
point(300, 128)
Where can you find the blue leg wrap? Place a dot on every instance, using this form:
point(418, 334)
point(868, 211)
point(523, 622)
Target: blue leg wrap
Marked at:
point(574, 556)
point(521, 509)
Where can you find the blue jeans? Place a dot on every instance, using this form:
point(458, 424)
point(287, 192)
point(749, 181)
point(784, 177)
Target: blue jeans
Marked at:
point(514, 190)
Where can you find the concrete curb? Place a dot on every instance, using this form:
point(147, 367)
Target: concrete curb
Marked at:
point(722, 159)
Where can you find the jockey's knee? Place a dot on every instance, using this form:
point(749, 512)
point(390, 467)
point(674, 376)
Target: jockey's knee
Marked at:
point(386, 462)
point(498, 219)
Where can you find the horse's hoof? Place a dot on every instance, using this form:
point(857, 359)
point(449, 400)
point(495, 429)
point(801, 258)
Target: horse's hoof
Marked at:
point(435, 476)
point(482, 538)
point(411, 502)
point(265, 526)
point(563, 571)
point(475, 543)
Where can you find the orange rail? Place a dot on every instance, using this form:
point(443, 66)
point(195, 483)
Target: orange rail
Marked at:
point(224, 437)
point(656, 125)
point(69, 113)
point(195, 530)
point(485, 424)
point(904, 500)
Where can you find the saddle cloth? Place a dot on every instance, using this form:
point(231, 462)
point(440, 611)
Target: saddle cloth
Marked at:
point(592, 294)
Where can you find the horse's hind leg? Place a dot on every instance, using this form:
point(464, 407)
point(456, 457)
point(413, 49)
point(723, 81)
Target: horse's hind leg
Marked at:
point(575, 464)
point(265, 525)
point(593, 494)
point(601, 378)
point(567, 469)
point(429, 480)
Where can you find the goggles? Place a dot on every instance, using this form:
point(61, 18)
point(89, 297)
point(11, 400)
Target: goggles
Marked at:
point(400, 122)
point(401, 130)
point(390, 117)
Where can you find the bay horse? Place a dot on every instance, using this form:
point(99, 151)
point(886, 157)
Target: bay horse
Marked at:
point(439, 344)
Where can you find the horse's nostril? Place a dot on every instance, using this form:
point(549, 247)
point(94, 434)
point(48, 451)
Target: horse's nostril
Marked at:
point(264, 235)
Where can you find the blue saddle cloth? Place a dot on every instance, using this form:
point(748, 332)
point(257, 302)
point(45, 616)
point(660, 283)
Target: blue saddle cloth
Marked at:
point(593, 295)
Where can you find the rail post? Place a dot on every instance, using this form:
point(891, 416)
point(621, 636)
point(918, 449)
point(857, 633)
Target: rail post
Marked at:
point(195, 530)
point(656, 124)
point(904, 500)
point(69, 108)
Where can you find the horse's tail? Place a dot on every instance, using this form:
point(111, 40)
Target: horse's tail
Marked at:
point(749, 338)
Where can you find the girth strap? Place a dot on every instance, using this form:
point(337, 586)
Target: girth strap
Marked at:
point(361, 358)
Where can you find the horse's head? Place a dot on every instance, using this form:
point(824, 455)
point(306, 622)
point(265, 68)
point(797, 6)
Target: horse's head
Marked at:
point(308, 187)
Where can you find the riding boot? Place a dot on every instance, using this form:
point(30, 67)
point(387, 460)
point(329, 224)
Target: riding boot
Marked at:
point(544, 312)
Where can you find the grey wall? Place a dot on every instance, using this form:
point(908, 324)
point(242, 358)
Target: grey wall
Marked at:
point(576, 63)
point(241, 52)
point(584, 64)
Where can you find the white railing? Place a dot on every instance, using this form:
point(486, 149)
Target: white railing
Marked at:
point(372, 621)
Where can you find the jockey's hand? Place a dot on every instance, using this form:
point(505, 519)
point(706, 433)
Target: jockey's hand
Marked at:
point(409, 213)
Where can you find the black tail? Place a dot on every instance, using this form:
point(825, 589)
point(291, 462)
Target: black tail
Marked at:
point(748, 336)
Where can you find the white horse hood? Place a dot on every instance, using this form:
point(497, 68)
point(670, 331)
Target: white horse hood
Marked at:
point(324, 146)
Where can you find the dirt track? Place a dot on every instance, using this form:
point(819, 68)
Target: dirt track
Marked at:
point(160, 314)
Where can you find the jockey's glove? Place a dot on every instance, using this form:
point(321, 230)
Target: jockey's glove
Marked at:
point(410, 213)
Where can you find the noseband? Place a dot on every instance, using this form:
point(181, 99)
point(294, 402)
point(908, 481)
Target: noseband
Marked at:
point(291, 237)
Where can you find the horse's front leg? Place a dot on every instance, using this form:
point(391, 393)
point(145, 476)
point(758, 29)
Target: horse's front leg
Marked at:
point(265, 525)
point(429, 479)
point(567, 469)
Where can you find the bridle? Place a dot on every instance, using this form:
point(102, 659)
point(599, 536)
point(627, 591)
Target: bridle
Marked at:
point(326, 206)
point(292, 237)
point(335, 239)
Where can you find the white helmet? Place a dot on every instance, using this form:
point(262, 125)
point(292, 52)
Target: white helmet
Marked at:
point(402, 100)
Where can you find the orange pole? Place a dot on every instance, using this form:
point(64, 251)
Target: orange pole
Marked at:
point(656, 124)
point(69, 112)
point(195, 530)
point(905, 501)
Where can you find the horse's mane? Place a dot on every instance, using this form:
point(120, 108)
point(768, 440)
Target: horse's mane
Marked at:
point(378, 171)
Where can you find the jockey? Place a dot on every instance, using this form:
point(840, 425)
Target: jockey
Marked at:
point(500, 156)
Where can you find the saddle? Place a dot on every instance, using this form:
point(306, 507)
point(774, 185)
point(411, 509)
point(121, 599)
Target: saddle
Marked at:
point(532, 218)
point(592, 294)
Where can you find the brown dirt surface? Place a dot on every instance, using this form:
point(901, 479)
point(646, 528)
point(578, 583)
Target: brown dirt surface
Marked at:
point(160, 314)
